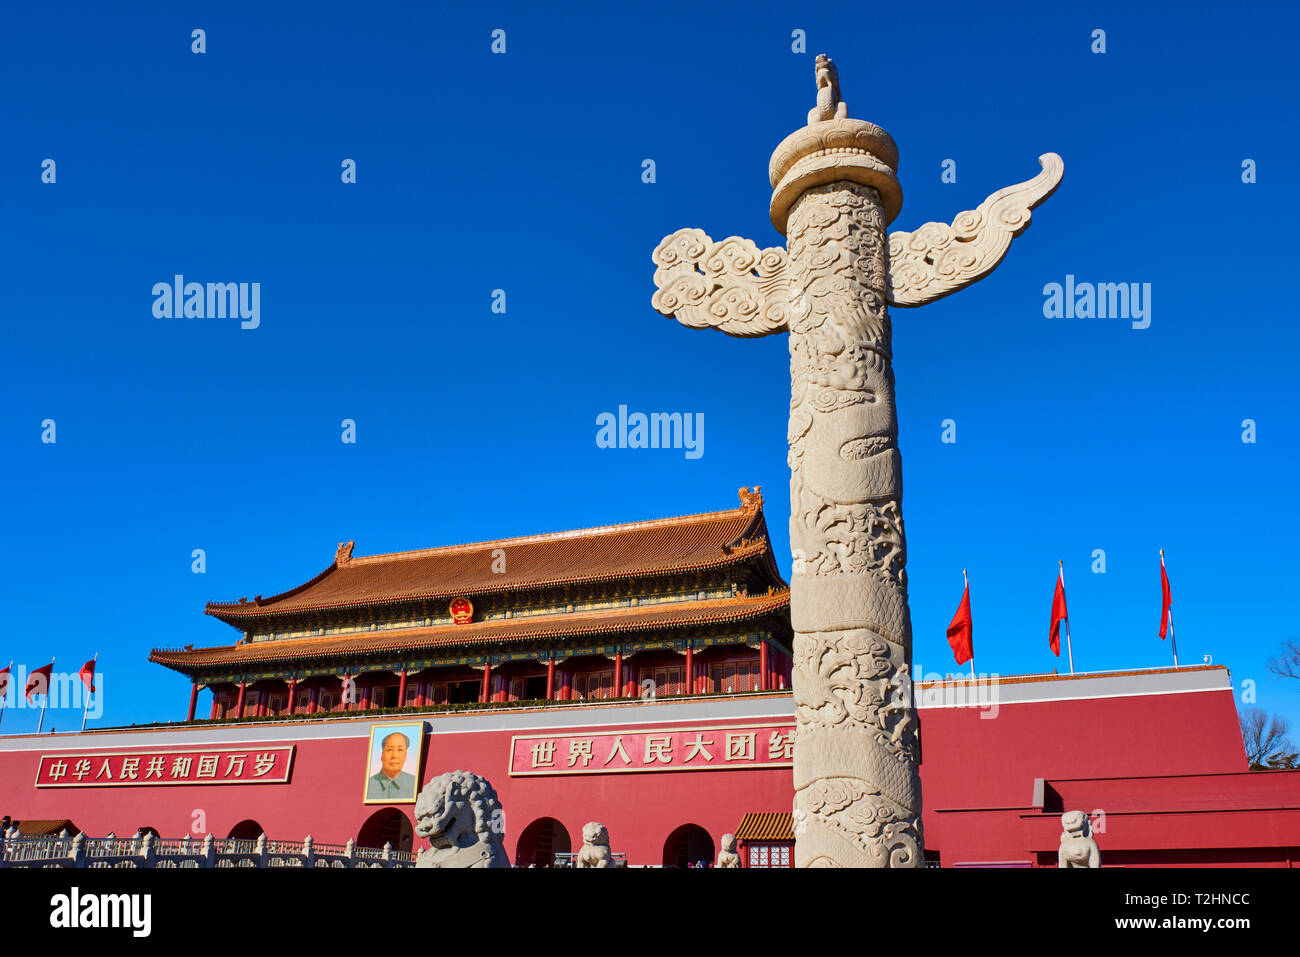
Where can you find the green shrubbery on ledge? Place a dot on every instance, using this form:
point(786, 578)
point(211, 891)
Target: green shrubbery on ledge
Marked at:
point(431, 709)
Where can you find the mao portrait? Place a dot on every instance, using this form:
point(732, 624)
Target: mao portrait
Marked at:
point(393, 765)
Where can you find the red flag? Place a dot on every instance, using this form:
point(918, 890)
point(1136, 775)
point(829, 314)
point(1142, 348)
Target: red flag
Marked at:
point(4, 681)
point(1059, 614)
point(960, 632)
point(88, 674)
point(38, 682)
point(1166, 598)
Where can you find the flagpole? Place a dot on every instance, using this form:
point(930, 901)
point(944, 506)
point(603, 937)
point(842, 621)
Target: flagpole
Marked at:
point(9, 678)
point(1068, 646)
point(966, 583)
point(1173, 642)
point(45, 698)
point(86, 705)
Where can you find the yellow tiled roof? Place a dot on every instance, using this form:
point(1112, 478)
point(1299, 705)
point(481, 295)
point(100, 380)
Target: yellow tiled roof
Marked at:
point(771, 826)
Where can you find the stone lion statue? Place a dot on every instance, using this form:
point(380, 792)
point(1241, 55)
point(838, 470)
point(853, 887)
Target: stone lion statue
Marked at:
point(727, 857)
point(829, 105)
point(460, 815)
point(1078, 849)
point(595, 847)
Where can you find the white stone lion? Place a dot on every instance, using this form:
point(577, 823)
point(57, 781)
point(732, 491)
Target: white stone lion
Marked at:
point(460, 815)
point(595, 847)
point(727, 857)
point(1078, 849)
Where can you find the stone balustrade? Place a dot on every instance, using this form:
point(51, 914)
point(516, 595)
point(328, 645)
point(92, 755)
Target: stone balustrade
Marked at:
point(145, 850)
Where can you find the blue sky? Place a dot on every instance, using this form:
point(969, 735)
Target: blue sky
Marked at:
point(522, 172)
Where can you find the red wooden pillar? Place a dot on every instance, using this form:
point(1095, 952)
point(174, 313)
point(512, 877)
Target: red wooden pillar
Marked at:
point(485, 694)
point(261, 703)
point(550, 680)
point(347, 698)
point(194, 700)
point(499, 687)
point(565, 689)
point(688, 686)
point(401, 690)
point(313, 700)
point(618, 674)
point(213, 712)
point(239, 706)
point(763, 681)
point(365, 695)
point(293, 691)
point(420, 699)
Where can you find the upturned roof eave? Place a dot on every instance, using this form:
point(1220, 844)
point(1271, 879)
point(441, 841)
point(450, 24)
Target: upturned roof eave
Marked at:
point(234, 614)
point(761, 606)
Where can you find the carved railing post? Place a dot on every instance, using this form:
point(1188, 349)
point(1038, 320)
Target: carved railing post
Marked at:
point(209, 850)
point(834, 193)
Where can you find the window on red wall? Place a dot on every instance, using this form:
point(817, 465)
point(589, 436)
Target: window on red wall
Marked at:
point(728, 677)
point(594, 685)
point(412, 693)
point(276, 703)
point(668, 680)
point(769, 855)
point(455, 692)
point(528, 688)
point(328, 701)
point(301, 701)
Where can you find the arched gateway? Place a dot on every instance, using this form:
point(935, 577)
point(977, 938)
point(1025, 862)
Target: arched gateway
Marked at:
point(387, 826)
point(540, 842)
point(688, 844)
point(247, 830)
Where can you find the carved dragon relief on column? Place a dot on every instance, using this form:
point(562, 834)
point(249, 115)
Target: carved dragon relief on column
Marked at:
point(858, 799)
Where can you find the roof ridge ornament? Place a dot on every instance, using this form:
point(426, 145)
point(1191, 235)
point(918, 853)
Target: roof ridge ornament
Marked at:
point(344, 554)
point(752, 500)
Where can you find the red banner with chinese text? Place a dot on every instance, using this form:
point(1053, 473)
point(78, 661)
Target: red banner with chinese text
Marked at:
point(199, 766)
point(671, 749)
